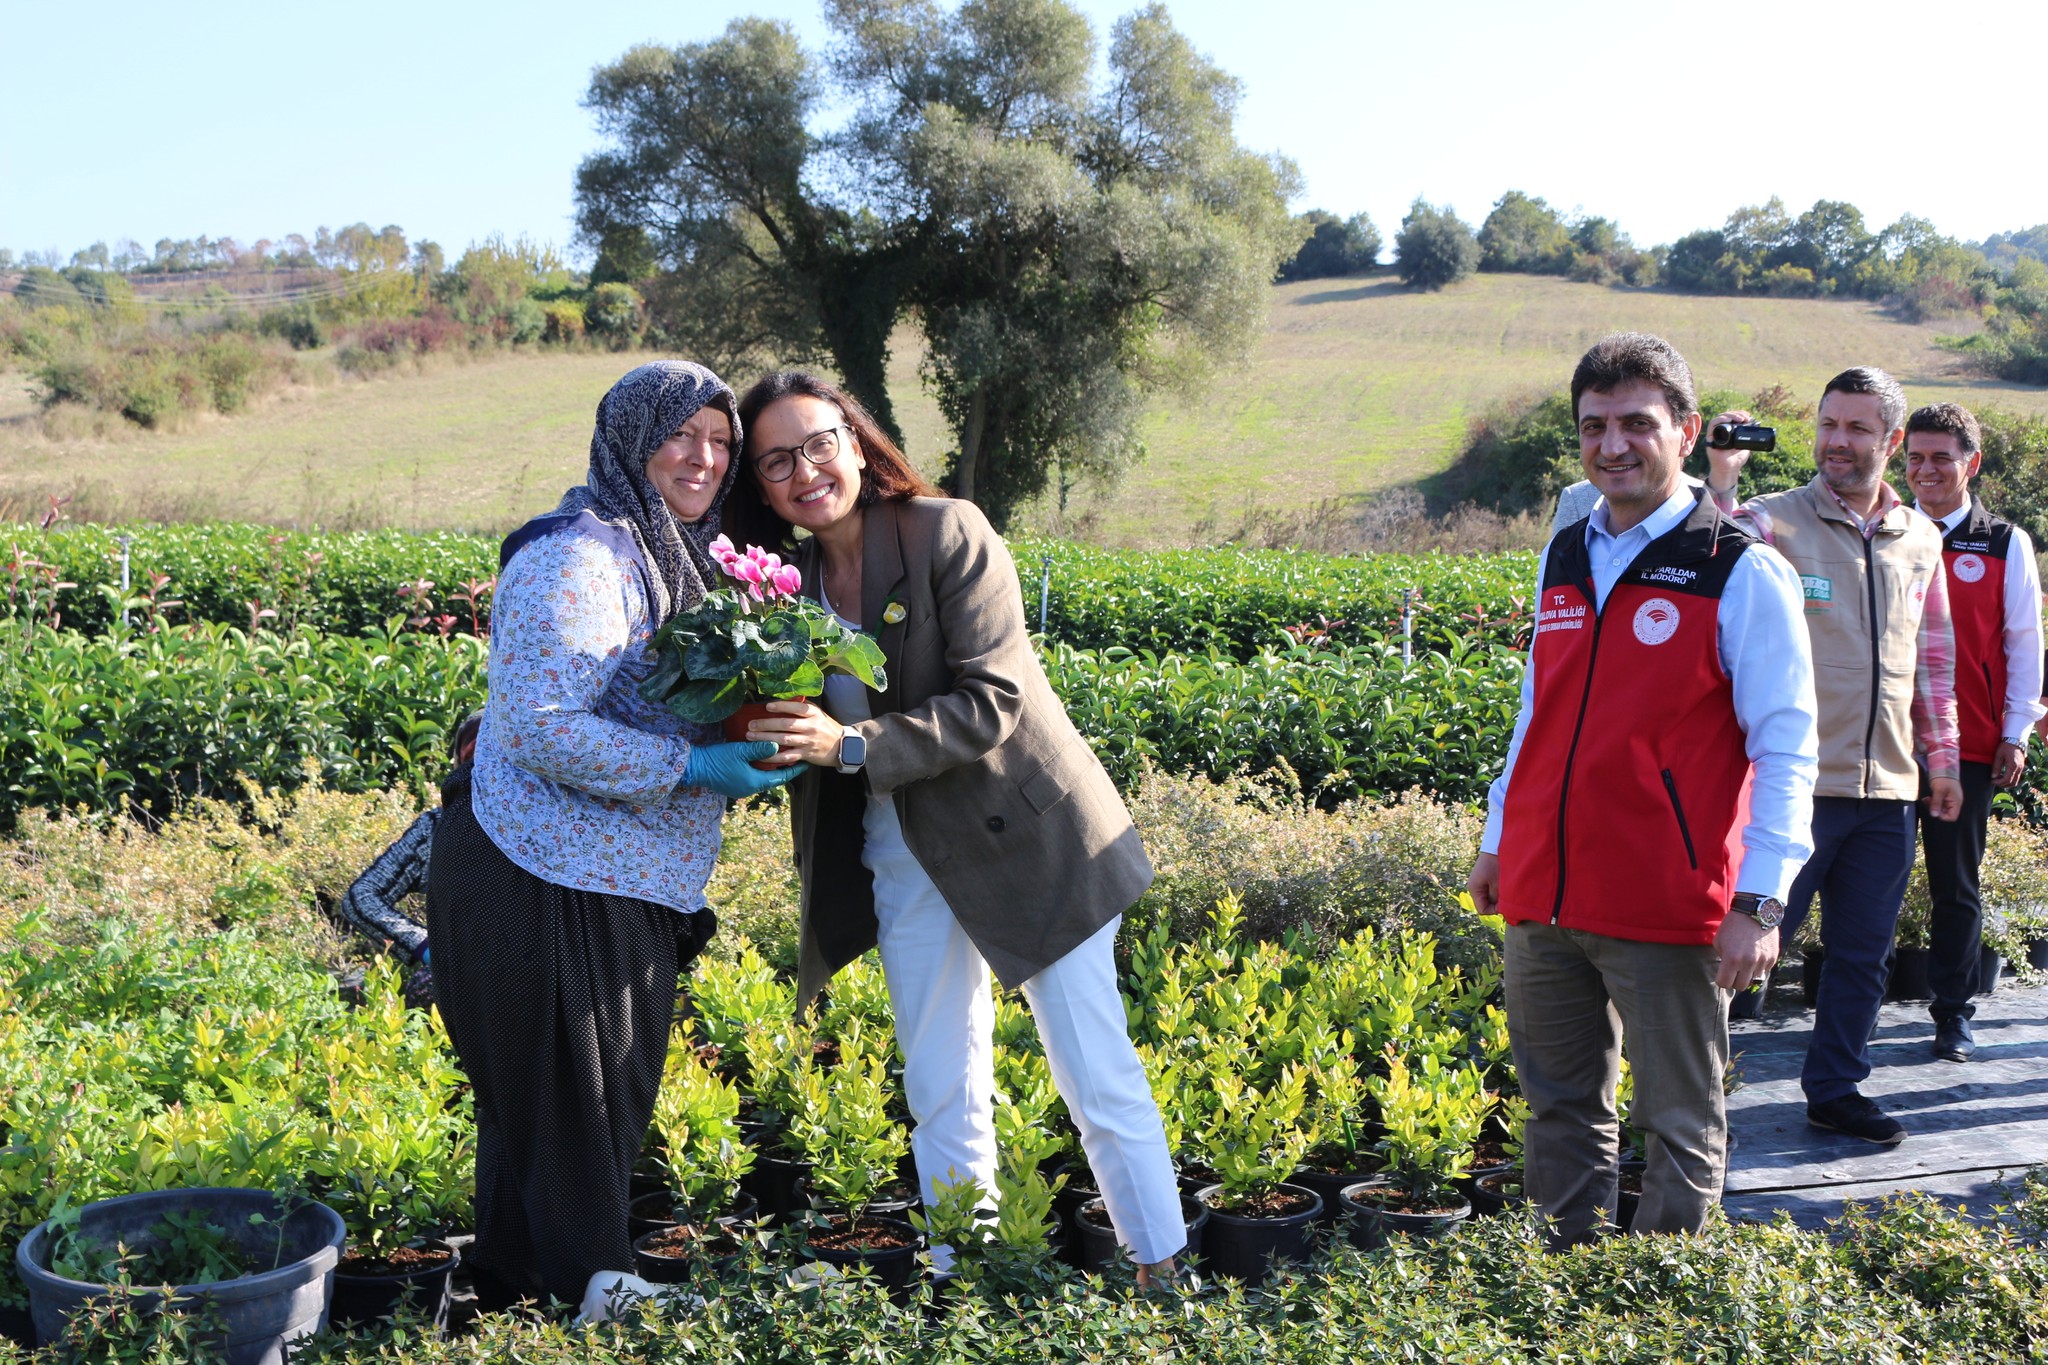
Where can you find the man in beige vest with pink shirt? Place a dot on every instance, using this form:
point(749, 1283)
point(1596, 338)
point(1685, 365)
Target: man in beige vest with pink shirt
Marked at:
point(1884, 674)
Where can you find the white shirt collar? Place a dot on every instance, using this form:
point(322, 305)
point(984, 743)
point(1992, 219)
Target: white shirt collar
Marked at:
point(1953, 519)
point(1675, 509)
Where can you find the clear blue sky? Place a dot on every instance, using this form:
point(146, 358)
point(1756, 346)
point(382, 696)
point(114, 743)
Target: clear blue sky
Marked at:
point(458, 120)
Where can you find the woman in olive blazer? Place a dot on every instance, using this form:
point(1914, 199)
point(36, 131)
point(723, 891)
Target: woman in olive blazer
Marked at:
point(956, 818)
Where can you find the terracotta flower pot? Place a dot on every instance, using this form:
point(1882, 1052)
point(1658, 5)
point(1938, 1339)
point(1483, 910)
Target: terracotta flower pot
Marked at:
point(735, 725)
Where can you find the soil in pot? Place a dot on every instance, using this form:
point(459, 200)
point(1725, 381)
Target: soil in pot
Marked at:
point(372, 1285)
point(652, 1212)
point(1099, 1247)
point(1496, 1192)
point(1194, 1175)
point(665, 1255)
point(1248, 1241)
point(1328, 1183)
point(886, 1246)
point(1379, 1212)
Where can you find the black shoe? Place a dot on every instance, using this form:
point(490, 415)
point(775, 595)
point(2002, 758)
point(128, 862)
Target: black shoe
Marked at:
point(1858, 1117)
point(1953, 1041)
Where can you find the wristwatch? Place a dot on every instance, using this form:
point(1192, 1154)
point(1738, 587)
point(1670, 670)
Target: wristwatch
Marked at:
point(853, 751)
point(1768, 911)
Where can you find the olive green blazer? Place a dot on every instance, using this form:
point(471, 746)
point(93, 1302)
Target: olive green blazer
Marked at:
point(1001, 800)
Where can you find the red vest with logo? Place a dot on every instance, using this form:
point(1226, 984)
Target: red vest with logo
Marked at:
point(1625, 810)
point(1974, 554)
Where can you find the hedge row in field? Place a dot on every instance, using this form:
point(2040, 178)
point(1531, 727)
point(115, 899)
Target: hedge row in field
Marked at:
point(151, 717)
point(1234, 601)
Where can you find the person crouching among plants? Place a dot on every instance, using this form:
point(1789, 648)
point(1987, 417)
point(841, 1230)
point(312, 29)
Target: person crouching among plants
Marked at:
point(370, 905)
point(954, 816)
point(1654, 807)
point(564, 879)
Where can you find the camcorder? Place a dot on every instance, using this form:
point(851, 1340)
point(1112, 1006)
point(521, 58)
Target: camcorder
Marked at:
point(1742, 436)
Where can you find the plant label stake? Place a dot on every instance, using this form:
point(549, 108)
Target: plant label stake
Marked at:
point(1044, 590)
point(1407, 626)
point(126, 541)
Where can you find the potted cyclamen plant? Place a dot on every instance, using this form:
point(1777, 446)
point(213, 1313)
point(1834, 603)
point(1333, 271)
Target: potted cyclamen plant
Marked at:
point(736, 649)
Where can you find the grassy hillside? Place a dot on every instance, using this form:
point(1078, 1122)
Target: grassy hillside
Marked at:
point(1358, 387)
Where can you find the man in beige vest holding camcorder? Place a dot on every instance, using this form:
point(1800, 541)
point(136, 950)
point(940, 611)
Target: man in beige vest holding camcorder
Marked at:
point(1877, 613)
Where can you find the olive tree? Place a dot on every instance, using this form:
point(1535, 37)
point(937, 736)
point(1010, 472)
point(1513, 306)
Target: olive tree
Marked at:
point(1067, 245)
point(1435, 247)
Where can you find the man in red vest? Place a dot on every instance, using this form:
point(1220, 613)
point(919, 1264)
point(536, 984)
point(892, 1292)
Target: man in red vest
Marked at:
point(1994, 599)
point(1654, 807)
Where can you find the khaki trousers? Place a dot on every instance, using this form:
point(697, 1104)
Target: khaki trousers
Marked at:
point(1572, 996)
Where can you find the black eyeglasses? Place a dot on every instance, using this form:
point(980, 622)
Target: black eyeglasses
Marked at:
point(820, 447)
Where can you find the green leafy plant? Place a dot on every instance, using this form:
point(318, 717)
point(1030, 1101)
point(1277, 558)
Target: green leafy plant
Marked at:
point(1255, 1137)
point(696, 1112)
point(759, 641)
point(1432, 1114)
point(843, 1128)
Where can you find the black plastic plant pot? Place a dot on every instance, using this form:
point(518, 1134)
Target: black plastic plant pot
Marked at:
point(653, 1212)
point(662, 1266)
point(1375, 1218)
point(1990, 967)
point(1079, 1189)
point(1627, 1200)
point(894, 1264)
point(1496, 1192)
point(259, 1313)
point(1748, 1003)
point(1247, 1248)
point(778, 1184)
point(2037, 954)
point(1811, 961)
point(1908, 978)
point(423, 1289)
point(1328, 1185)
point(1097, 1235)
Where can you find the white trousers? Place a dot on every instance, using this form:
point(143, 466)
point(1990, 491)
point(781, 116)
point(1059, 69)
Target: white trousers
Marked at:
point(945, 1023)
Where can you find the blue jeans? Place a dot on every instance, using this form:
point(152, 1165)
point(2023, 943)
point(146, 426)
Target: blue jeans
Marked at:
point(1862, 855)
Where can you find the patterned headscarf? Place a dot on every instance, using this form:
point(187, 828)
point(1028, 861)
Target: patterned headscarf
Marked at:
point(640, 412)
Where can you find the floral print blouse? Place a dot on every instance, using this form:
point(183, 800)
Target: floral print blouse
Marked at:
point(577, 775)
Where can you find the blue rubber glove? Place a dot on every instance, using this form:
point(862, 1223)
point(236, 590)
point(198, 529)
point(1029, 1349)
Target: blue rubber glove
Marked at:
point(427, 956)
point(727, 768)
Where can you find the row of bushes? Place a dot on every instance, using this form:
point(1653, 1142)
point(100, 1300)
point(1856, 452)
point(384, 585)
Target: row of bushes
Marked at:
point(151, 717)
point(1232, 601)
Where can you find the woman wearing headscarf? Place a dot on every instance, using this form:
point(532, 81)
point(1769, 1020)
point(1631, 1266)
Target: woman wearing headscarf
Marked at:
point(956, 819)
point(561, 884)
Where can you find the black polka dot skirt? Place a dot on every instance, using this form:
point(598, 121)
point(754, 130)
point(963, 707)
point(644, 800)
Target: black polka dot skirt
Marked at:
point(559, 1003)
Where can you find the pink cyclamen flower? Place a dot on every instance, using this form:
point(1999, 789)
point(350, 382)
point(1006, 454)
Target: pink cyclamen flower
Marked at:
point(746, 570)
point(724, 551)
point(787, 581)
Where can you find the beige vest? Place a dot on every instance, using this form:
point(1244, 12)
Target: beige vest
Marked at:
point(1864, 600)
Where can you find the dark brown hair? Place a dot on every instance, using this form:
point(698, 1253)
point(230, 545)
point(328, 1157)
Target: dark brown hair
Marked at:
point(887, 477)
point(1631, 357)
point(1891, 399)
point(1949, 419)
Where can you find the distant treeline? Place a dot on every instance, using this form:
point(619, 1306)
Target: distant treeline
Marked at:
point(1827, 251)
point(208, 324)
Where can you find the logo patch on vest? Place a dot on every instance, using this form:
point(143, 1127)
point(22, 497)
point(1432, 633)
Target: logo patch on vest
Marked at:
point(1557, 616)
point(1671, 573)
point(1819, 592)
point(1969, 568)
point(1656, 621)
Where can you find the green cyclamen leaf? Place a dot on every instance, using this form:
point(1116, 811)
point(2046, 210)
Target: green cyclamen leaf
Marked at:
point(713, 658)
point(708, 700)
